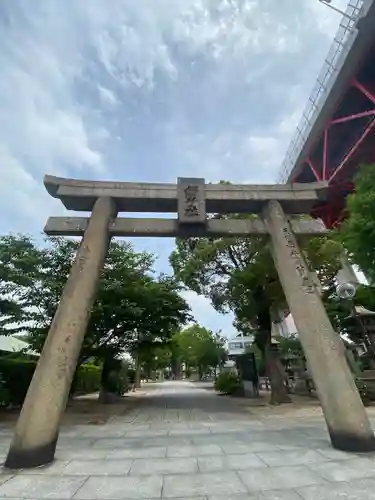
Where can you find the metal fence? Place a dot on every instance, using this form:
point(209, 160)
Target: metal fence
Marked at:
point(338, 51)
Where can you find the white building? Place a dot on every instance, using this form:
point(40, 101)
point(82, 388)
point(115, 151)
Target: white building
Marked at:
point(238, 344)
point(284, 327)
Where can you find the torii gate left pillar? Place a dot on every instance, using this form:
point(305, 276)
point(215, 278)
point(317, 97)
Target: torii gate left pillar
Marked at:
point(36, 433)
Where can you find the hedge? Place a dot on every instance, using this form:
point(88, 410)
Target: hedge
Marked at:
point(229, 383)
point(87, 379)
point(16, 374)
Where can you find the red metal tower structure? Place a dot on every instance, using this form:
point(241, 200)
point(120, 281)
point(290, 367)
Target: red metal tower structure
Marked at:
point(337, 131)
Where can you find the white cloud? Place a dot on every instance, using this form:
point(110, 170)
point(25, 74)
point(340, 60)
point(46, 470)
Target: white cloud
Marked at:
point(150, 90)
point(107, 96)
point(202, 312)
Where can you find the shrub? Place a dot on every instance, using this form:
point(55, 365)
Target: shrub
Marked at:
point(122, 379)
point(363, 391)
point(87, 379)
point(229, 383)
point(16, 375)
point(4, 393)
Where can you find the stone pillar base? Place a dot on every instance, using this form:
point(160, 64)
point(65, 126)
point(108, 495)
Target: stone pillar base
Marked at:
point(26, 458)
point(346, 441)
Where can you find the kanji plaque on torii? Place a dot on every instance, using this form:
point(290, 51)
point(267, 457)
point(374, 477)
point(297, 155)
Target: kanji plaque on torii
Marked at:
point(191, 201)
point(276, 208)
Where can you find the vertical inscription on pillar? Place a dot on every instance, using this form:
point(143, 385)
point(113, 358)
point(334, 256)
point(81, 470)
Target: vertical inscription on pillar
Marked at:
point(191, 201)
point(303, 272)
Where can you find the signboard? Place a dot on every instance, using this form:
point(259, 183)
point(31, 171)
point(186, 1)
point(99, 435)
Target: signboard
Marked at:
point(191, 200)
point(247, 368)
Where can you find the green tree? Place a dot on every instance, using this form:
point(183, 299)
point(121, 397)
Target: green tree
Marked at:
point(341, 310)
point(20, 262)
point(358, 230)
point(154, 358)
point(131, 304)
point(199, 348)
point(238, 274)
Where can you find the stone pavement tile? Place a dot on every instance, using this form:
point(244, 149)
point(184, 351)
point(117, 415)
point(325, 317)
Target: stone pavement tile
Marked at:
point(279, 478)
point(5, 441)
point(267, 495)
point(98, 467)
point(113, 488)
point(85, 454)
point(164, 466)
point(5, 475)
point(251, 447)
point(193, 451)
point(291, 447)
point(41, 486)
point(345, 470)
point(202, 424)
point(104, 432)
point(150, 433)
point(6, 430)
point(277, 495)
point(76, 432)
point(333, 454)
point(168, 426)
point(224, 483)
point(298, 457)
point(75, 442)
point(111, 443)
point(285, 438)
point(229, 462)
point(188, 498)
point(54, 468)
point(214, 439)
point(354, 490)
point(318, 444)
point(152, 452)
point(156, 441)
point(313, 432)
point(173, 441)
point(190, 432)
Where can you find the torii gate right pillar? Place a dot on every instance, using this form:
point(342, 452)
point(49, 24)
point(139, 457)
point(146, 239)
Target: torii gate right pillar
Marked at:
point(345, 415)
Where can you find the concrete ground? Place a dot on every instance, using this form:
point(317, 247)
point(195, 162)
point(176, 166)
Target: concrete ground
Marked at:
point(180, 441)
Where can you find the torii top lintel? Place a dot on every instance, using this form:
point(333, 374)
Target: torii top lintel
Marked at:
point(80, 195)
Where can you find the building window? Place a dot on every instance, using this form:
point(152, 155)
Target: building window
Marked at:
point(236, 345)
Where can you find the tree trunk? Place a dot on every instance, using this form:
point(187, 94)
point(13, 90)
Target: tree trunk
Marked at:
point(274, 369)
point(176, 368)
point(104, 393)
point(137, 379)
point(277, 377)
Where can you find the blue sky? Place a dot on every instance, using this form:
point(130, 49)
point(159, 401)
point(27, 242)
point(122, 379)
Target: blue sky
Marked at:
point(150, 90)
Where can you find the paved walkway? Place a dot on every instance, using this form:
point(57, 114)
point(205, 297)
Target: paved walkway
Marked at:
point(183, 442)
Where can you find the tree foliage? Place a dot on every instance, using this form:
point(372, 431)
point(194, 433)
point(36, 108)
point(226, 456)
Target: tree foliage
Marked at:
point(199, 348)
point(132, 306)
point(358, 230)
point(239, 275)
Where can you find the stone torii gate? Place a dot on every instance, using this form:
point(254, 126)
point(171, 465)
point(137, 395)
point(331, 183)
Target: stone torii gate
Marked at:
point(36, 432)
